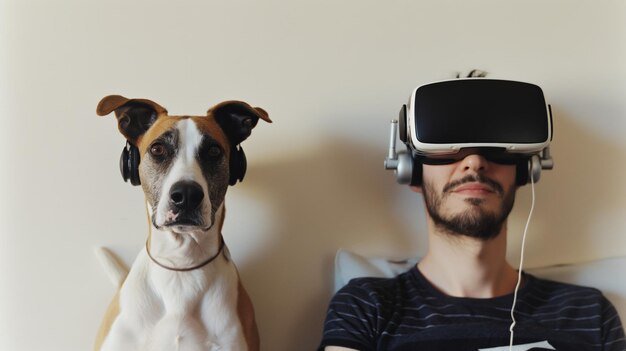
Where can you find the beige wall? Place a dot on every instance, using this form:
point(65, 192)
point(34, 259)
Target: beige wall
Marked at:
point(331, 74)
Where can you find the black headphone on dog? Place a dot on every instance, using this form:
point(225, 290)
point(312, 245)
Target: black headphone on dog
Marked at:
point(237, 165)
point(129, 164)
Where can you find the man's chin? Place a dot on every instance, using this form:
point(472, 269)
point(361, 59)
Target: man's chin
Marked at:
point(474, 224)
point(480, 217)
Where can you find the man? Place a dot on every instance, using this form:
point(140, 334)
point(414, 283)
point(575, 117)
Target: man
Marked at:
point(460, 294)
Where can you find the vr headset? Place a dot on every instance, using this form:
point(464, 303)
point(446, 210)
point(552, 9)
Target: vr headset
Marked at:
point(507, 122)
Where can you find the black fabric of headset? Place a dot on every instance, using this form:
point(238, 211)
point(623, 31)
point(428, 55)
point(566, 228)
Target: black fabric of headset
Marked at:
point(495, 156)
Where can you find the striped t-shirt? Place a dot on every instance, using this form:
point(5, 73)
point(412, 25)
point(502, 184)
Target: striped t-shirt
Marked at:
point(408, 313)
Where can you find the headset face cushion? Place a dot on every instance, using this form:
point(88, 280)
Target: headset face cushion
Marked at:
point(416, 176)
point(522, 168)
point(491, 154)
point(521, 172)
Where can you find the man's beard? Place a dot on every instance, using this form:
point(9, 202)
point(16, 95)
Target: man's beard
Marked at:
point(474, 222)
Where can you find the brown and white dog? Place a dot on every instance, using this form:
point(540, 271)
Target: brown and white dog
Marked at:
point(183, 291)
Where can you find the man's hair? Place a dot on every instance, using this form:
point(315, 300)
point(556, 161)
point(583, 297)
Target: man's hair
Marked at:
point(475, 73)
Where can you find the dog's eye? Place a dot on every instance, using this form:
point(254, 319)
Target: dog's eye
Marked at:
point(157, 150)
point(214, 151)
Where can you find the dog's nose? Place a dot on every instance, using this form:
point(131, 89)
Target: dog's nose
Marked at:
point(186, 195)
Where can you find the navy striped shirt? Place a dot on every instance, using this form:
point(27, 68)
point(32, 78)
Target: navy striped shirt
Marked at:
point(408, 313)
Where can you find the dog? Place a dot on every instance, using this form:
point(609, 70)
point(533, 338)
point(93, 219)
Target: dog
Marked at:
point(183, 291)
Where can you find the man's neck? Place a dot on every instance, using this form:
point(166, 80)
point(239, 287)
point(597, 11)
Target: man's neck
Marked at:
point(461, 266)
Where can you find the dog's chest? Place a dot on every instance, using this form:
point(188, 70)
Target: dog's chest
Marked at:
point(182, 292)
point(183, 311)
point(194, 318)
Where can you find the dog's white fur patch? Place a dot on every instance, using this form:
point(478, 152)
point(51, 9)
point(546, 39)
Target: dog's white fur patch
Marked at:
point(185, 167)
point(187, 311)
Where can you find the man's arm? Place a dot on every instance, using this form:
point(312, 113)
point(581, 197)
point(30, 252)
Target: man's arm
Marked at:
point(351, 319)
point(612, 329)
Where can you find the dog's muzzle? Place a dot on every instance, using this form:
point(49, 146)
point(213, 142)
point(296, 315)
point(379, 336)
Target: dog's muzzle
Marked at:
point(185, 205)
point(186, 196)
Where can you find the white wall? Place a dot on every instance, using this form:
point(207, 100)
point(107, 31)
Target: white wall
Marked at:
point(331, 74)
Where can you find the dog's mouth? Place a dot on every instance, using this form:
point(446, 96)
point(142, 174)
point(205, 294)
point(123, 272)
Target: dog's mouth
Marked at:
point(180, 223)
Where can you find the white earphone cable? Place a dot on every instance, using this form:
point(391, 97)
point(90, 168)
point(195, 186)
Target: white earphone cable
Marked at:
point(521, 261)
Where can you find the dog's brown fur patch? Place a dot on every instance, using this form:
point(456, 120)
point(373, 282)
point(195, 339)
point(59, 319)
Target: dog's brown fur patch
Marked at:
point(206, 124)
point(112, 102)
point(246, 316)
point(112, 312)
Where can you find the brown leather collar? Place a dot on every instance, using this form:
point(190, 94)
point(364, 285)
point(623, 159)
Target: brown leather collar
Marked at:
point(209, 260)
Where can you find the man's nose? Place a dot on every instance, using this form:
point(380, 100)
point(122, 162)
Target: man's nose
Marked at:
point(475, 162)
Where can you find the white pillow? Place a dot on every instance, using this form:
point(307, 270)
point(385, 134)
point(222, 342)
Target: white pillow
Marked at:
point(606, 274)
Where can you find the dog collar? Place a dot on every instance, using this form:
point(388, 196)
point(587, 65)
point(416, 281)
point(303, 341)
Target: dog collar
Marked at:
point(187, 269)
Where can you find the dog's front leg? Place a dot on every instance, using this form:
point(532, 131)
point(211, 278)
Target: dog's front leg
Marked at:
point(121, 337)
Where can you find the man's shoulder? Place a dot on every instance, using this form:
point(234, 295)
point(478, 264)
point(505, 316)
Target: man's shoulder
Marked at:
point(380, 284)
point(553, 287)
point(550, 295)
point(376, 288)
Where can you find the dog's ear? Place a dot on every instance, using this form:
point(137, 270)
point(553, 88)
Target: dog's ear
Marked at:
point(237, 119)
point(134, 116)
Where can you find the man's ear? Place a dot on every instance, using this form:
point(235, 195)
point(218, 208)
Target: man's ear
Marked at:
point(134, 116)
point(237, 119)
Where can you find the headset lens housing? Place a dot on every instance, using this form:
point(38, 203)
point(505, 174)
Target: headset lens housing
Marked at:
point(447, 116)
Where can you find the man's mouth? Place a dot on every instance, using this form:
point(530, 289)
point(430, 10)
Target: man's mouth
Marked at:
point(473, 184)
point(472, 188)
